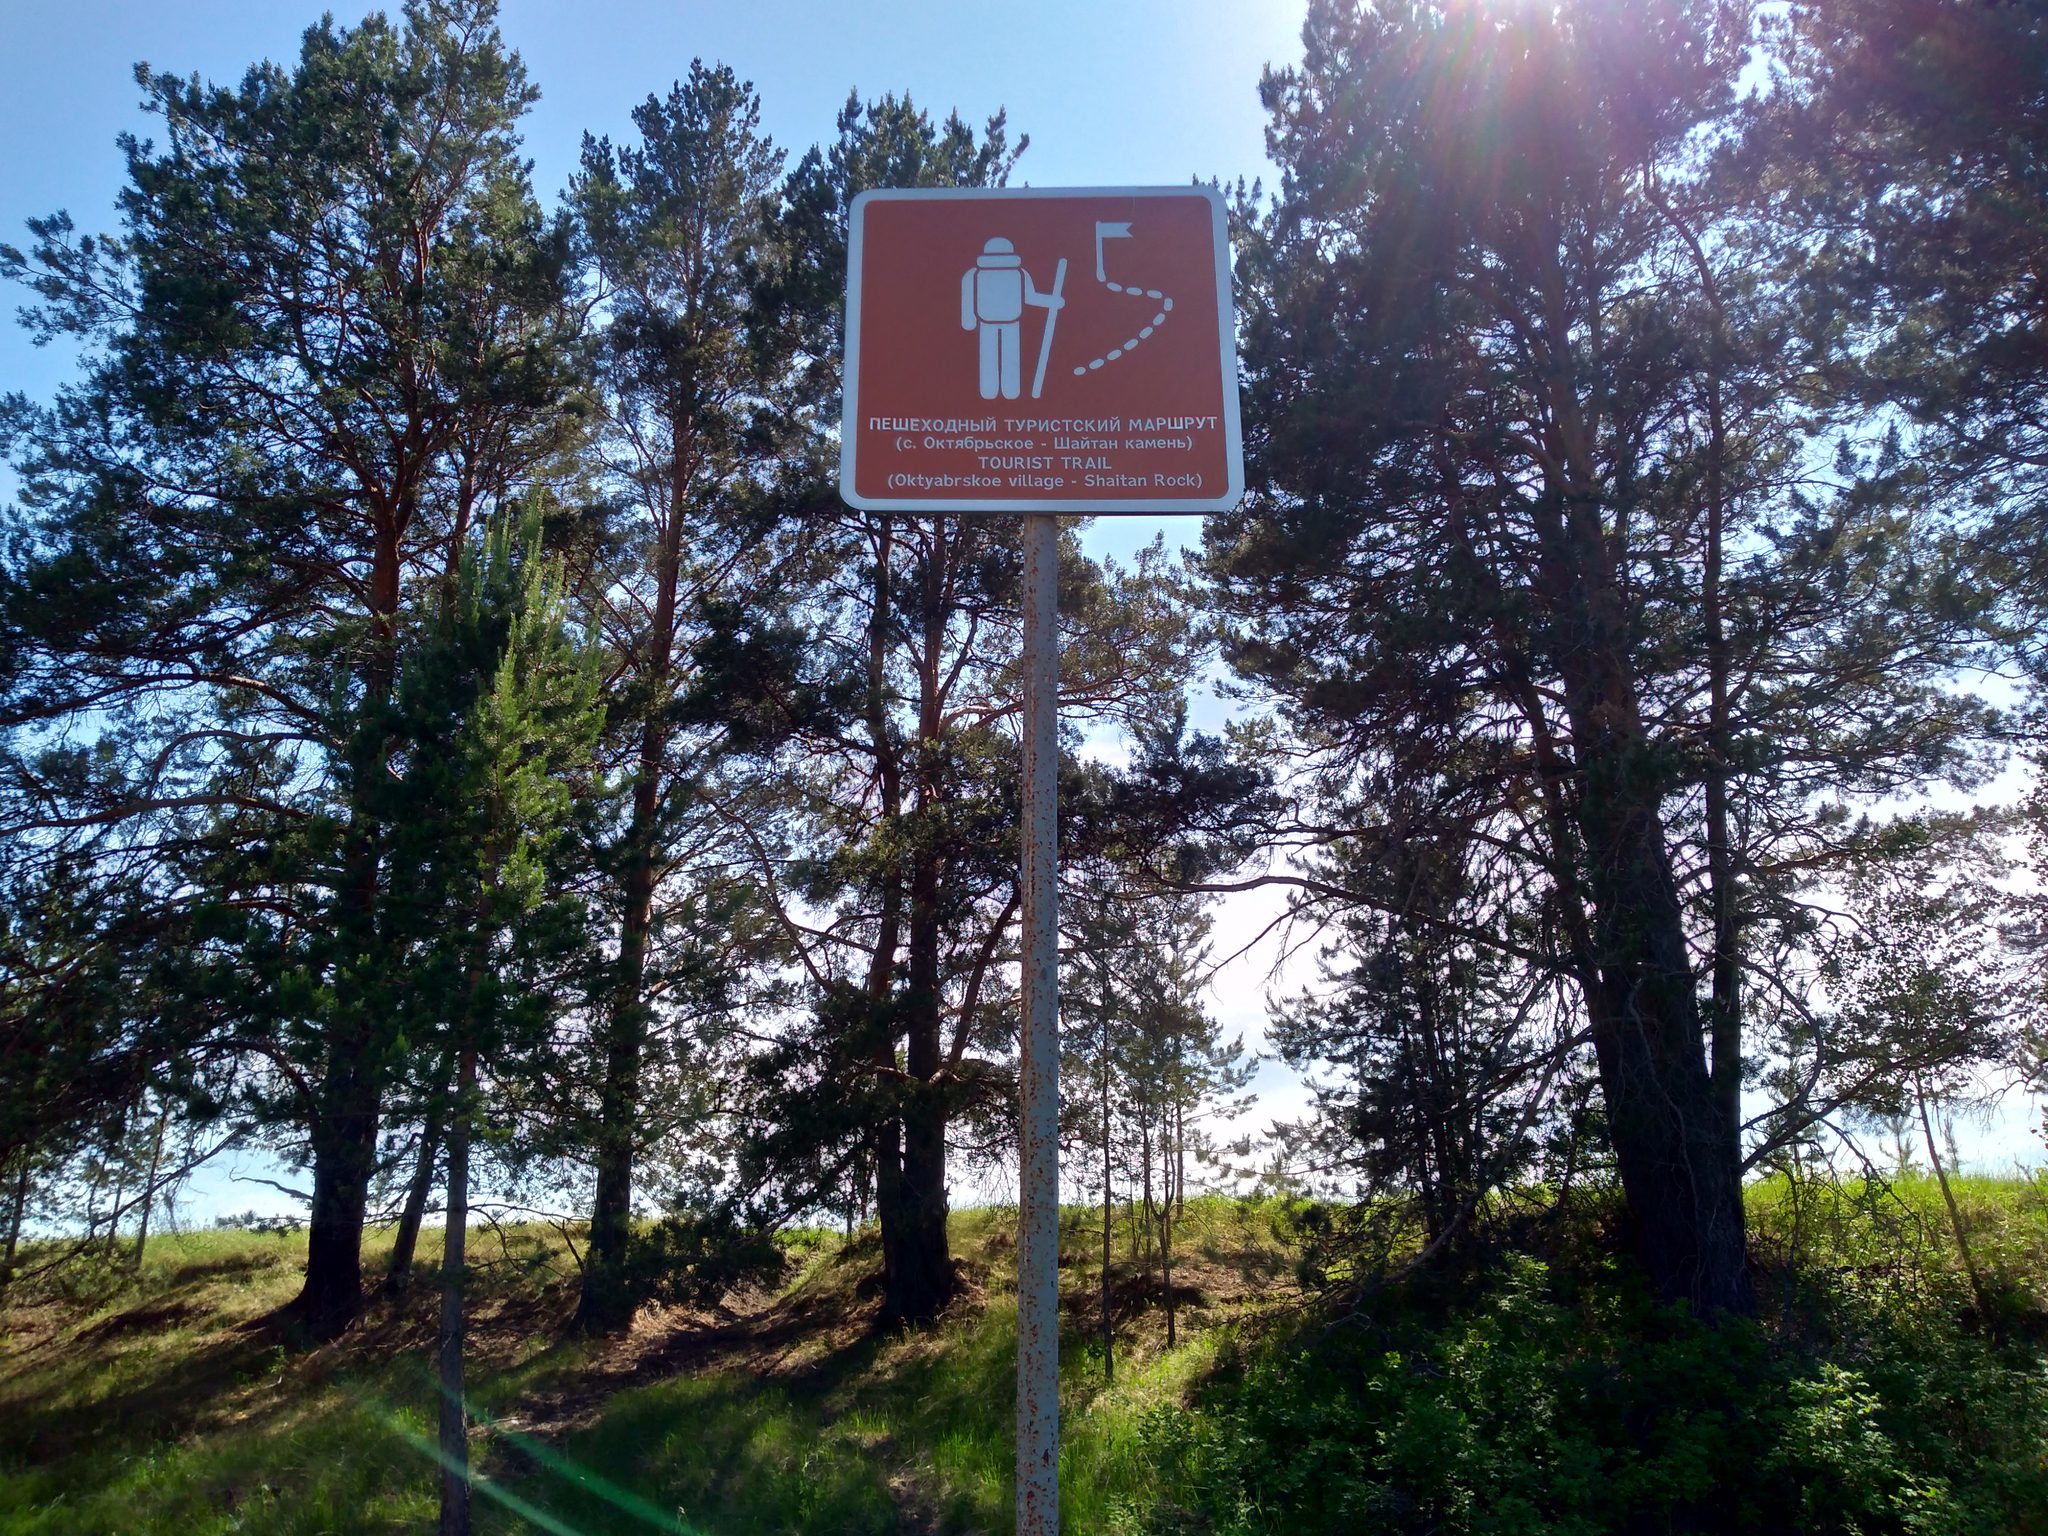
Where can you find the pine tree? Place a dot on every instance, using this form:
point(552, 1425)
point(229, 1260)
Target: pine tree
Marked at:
point(699, 407)
point(332, 337)
point(497, 716)
point(1907, 150)
point(1534, 555)
point(695, 416)
point(906, 827)
point(1442, 1045)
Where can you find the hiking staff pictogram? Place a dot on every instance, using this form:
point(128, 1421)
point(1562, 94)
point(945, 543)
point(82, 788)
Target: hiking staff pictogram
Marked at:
point(993, 293)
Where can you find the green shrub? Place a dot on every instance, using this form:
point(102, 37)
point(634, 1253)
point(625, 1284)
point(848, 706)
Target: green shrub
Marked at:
point(1535, 1403)
point(690, 1259)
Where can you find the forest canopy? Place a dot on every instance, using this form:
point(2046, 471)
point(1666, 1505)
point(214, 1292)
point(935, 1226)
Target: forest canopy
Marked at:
point(455, 738)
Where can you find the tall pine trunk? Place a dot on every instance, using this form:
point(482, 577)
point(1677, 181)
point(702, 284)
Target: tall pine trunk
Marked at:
point(1108, 1320)
point(1725, 956)
point(344, 1159)
point(1166, 1231)
point(1955, 1212)
point(398, 1276)
point(910, 1143)
point(1678, 1171)
point(1683, 1186)
point(350, 1097)
point(1677, 1165)
point(607, 1303)
point(921, 1281)
point(1145, 1162)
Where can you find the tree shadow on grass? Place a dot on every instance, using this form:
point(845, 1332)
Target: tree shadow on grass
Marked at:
point(146, 1404)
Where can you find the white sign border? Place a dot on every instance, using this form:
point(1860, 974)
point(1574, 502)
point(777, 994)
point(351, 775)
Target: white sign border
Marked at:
point(1226, 309)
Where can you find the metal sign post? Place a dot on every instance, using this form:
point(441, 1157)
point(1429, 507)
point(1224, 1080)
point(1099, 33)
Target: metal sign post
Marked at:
point(1132, 408)
point(1038, 1161)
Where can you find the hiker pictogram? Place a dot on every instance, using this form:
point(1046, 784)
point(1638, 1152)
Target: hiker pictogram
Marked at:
point(993, 293)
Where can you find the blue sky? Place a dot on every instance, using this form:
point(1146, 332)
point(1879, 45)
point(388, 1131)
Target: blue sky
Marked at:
point(1139, 91)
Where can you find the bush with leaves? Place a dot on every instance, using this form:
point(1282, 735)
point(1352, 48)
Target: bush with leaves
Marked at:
point(1563, 1397)
point(689, 1258)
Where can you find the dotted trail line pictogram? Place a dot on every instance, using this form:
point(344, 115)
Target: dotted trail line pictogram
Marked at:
point(1158, 319)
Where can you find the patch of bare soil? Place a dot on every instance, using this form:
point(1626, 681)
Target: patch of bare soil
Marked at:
point(31, 1328)
point(823, 1319)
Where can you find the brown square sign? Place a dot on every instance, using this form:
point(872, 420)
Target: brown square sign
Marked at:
point(1040, 350)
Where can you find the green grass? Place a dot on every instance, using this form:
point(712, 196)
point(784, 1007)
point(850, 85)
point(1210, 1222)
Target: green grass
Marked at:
point(175, 1402)
point(912, 1429)
point(172, 1402)
point(1904, 1221)
point(916, 1431)
point(165, 1405)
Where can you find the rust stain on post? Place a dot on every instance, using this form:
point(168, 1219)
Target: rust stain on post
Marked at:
point(1038, 1184)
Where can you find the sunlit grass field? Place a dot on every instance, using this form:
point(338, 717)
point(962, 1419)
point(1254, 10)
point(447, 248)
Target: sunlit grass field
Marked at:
point(174, 1401)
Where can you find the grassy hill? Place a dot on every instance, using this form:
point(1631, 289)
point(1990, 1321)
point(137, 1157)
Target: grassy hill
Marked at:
point(175, 1402)
point(1536, 1388)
